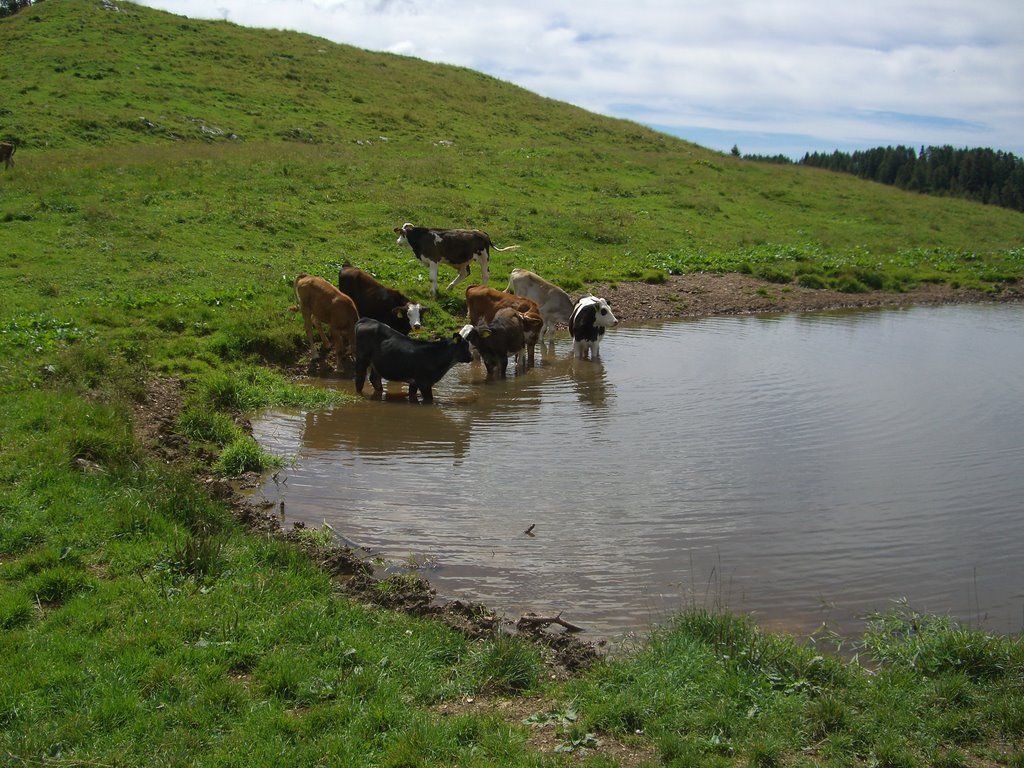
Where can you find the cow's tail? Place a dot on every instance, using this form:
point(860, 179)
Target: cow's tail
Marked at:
point(295, 287)
point(506, 248)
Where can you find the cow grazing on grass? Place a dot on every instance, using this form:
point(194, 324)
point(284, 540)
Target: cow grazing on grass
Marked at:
point(482, 303)
point(323, 304)
point(7, 153)
point(554, 304)
point(455, 247)
point(388, 354)
point(587, 323)
point(502, 336)
point(378, 301)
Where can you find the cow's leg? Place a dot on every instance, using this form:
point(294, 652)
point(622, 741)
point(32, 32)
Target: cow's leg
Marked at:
point(375, 380)
point(428, 393)
point(307, 320)
point(433, 280)
point(413, 389)
point(595, 350)
point(483, 259)
point(463, 274)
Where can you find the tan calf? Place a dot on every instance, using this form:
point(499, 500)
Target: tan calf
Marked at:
point(323, 304)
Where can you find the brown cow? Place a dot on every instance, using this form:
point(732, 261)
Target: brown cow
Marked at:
point(7, 153)
point(501, 337)
point(482, 303)
point(321, 303)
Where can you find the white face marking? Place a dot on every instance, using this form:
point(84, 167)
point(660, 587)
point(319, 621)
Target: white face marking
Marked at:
point(604, 317)
point(413, 311)
point(464, 331)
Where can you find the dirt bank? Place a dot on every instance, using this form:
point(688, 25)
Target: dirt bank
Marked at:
point(705, 294)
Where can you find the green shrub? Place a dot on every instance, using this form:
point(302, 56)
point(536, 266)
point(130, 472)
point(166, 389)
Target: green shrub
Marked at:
point(506, 665)
point(243, 455)
point(208, 426)
point(57, 584)
point(15, 610)
point(812, 281)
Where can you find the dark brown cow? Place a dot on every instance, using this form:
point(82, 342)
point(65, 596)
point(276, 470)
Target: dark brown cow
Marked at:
point(455, 247)
point(7, 153)
point(321, 303)
point(482, 303)
point(501, 337)
point(378, 301)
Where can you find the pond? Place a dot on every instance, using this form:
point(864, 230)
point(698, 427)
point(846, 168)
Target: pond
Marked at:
point(806, 468)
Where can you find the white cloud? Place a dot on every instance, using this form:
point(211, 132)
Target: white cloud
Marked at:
point(833, 74)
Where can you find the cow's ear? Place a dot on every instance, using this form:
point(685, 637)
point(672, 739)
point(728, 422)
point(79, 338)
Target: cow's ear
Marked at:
point(484, 332)
point(399, 311)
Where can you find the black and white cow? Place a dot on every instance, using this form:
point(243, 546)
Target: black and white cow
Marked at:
point(455, 247)
point(554, 304)
point(587, 324)
point(391, 355)
point(378, 301)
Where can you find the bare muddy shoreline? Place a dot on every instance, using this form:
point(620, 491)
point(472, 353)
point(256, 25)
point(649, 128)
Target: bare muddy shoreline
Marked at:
point(703, 294)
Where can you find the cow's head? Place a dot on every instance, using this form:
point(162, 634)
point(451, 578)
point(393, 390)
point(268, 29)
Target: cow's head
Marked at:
point(414, 312)
point(531, 327)
point(604, 317)
point(463, 354)
point(400, 231)
point(601, 309)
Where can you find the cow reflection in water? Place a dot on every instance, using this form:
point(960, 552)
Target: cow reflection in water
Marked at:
point(591, 384)
point(371, 432)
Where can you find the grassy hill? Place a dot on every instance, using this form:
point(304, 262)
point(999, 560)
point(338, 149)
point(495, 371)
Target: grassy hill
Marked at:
point(172, 177)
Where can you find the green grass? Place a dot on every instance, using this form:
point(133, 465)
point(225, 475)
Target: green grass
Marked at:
point(140, 624)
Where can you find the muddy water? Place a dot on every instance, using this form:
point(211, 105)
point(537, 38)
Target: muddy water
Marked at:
point(807, 468)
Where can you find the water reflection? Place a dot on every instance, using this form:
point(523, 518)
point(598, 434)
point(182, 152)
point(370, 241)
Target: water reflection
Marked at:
point(375, 433)
point(801, 467)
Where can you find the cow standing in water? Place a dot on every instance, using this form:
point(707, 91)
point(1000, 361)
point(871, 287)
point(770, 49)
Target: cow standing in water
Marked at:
point(388, 354)
point(587, 324)
point(455, 247)
point(554, 304)
point(503, 336)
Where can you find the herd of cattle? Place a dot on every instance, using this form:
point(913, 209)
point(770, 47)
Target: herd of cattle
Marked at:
point(372, 322)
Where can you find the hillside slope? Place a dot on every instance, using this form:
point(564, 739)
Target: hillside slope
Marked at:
point(150, 134)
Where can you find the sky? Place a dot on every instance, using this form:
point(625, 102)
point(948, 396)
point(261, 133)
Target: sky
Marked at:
point(766, 76)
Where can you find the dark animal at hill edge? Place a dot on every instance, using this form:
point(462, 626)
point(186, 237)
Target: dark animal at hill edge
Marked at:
point(321, 303)
point(391, 355)
point(455, 247)
point(7, 153)
point(498, 339)
point(373, 299)
point(589, 319)
point(554, 304)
